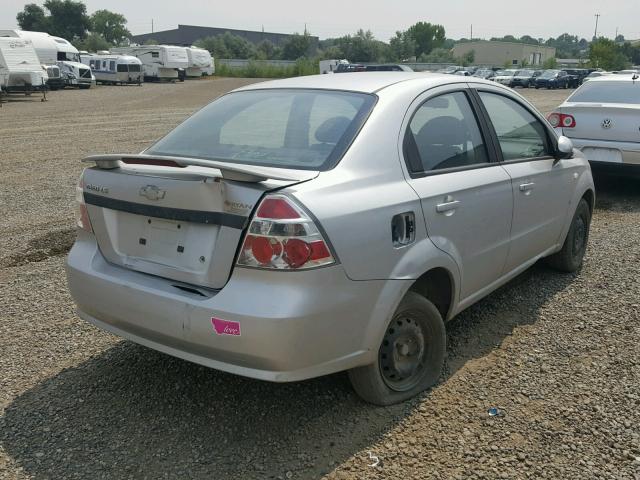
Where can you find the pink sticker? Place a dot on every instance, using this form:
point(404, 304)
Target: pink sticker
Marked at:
point(225, 327)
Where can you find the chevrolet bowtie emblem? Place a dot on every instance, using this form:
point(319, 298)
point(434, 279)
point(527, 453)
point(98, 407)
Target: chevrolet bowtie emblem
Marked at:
point(151, 192)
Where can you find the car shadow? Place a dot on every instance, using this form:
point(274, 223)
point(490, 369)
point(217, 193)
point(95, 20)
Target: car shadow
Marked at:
point(131, 412)
point(616, 193)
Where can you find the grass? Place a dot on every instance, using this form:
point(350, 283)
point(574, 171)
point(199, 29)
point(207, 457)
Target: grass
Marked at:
point(259, 70)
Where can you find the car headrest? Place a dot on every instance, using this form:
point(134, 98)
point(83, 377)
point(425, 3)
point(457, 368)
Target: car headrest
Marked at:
point(332, 129)
point(442, 131)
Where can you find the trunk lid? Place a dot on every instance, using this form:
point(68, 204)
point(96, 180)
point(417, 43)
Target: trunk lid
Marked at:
point(181, 219)
point(603, 121)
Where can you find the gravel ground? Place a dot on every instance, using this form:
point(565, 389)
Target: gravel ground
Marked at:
point(558, 355)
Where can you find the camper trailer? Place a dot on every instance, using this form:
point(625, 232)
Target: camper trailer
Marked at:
point(114, 69)
point(57, 51)
point(200, 62)
point(159, 62)
point(47, 52)
point(20, 69)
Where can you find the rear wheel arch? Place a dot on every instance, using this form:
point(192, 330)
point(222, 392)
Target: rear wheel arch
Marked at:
point(438, 286)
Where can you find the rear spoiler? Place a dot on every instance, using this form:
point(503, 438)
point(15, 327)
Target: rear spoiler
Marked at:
point(228, 171)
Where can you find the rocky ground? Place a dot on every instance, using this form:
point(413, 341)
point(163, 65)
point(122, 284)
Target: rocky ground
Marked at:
point(557, 355)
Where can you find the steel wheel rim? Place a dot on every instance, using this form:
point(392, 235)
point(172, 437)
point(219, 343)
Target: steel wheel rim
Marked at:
point(579, 235)
point(402, 354)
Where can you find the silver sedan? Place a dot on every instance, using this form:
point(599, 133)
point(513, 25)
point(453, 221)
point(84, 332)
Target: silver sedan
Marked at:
point(300, 227)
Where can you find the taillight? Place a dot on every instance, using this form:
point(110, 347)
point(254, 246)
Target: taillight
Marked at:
point(282, 236)
point(561, 120)
point(83, 215)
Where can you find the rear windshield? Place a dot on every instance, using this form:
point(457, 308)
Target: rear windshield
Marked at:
point(607, 92)
point(300, 129)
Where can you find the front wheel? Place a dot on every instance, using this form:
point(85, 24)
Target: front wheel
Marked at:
point(569, 259)
point(410, 357)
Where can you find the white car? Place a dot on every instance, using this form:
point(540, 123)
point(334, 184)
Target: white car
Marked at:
point(505, 77)
point(602, 118)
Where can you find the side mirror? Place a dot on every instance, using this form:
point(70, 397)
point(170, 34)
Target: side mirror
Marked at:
point(565, 148)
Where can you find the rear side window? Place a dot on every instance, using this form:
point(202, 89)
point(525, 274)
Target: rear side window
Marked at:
point(607, 92)
point(521, 135)
point(302, 129)
point(444, 133)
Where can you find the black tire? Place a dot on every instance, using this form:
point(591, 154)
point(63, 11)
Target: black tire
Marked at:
point(418, 325)
point(569, 259)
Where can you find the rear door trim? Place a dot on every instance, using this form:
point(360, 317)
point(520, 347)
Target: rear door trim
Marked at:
point(194, 216)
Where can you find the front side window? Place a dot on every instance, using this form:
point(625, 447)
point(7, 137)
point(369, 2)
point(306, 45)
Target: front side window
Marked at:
point(155, 54)
point(297, 128)
point(122, 67)
point(521, 135)
point(444, 133)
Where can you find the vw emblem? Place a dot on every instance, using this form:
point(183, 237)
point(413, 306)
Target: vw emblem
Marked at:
point(607, 123)
point(151, 192)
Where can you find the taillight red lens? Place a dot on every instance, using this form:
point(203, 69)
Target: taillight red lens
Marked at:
point(276, 208)
point(282, 236)
point(296, 252)
point(561, 120)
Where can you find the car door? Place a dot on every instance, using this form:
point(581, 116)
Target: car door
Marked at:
point(466, 196)
point(542, 186)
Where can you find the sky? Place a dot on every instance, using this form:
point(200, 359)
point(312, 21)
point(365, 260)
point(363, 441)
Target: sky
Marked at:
point(332, 18)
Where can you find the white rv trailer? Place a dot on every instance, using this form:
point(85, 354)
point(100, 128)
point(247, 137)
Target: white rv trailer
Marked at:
point(20, 68)
point(61, 53)
point(200, 62)
point(47, 52)
point(114, 69)
point(159, 62)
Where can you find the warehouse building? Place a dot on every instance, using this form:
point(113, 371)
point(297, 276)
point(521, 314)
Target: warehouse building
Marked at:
point(505, 53)
point(187, 35)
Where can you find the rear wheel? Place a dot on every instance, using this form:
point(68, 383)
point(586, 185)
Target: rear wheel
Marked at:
point(569, 259)
point(410, 357)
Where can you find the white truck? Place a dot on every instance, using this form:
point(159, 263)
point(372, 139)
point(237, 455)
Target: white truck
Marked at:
point(160, 62)
point(20, 68)
point(329, 66)
point(200, 62)
point(59, 52)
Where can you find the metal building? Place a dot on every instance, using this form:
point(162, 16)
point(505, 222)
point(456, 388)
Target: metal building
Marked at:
point(505, 53)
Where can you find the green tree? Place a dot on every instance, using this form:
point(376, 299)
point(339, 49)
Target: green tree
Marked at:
point(111, 26)
point(93, 43)
point(362, 47)
point(151, 41)
point(297, 46)
point(33, 18)
point(604, 53)
point(68, 19)
point(467, 58)
point(438, 55)
point(227, 45)
point(266, 50)
point(550, 63)
point(402, 47)
point(426, 37)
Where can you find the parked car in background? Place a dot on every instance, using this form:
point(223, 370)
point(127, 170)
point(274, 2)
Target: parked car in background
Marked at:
point(552, 79)
point(524, 78)
point(388, 68)
point(485, 73)
point(505, 77)
point(595, 74)
point(450, 70)
point(349, 67)
point(300, 227)
point(576, 76)
point(602, 118)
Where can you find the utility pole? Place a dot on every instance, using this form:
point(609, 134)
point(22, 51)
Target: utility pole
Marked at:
point(152, 25)
point(471, 38)
point(614, 38)
point(595, 33)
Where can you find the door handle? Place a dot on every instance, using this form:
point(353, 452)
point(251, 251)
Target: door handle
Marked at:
point(524, 187)
point(447, 206)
